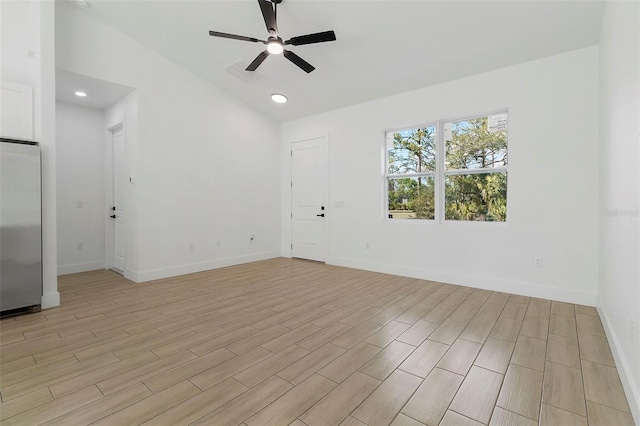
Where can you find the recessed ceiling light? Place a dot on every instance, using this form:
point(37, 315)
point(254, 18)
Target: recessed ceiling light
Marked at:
point(278, 98)
point(80, 94)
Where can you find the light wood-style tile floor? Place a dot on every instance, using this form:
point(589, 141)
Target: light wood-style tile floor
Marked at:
point(283, 342)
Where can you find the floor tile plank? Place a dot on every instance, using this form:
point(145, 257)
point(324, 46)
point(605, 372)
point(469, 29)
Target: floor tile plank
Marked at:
point(530, 353)
point(460, 356)
point(341, 401)
point(602, 385)
point(521, 391)
point(600, 415)
point(343, 366)
point(247, 403)
point(424, 358)
point(563, 388)
point(382, 406)
point(502, 417)
point(294, 403)
point(200, 405)
point(430, 402)
point(387, 360)
point(595, 349)
point(551, 416)
point(297, 372)
point(495, 355)
point(477, 394)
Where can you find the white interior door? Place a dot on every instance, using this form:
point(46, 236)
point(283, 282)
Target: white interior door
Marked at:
point(119, 205)
point(309, 214)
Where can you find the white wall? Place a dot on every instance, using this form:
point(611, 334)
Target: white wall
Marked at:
point(552, 205)
point(619, 255)
point(80, 150)
point(206, 166)
point(27, 57)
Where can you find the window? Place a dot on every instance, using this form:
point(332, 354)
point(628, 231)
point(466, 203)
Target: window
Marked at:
point(472, 181)
point(411, 168)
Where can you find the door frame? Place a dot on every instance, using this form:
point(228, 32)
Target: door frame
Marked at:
point(326, 180)
point(109, 201)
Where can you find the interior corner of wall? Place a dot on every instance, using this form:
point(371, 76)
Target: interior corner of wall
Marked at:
point(132, 275)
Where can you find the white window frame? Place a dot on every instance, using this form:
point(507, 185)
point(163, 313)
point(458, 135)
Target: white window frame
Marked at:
point(387, 175)
point(441, 173)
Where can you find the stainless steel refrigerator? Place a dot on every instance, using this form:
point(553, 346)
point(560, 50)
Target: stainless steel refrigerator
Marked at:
point(20, 227)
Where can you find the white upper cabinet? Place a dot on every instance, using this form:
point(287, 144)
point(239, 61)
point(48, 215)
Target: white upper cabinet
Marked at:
point(16, 111)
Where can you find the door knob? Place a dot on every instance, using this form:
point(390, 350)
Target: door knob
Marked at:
point(113, 216)
point(320, 215)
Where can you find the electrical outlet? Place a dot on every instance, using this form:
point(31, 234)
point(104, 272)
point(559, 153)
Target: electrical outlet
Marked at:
point(537, 262)
point(80, 246)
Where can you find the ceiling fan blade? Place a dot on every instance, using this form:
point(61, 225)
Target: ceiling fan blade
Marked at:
point(312, 38)
point(235, 37)
point(257, 61)
point(306, 66)
point(269, 15)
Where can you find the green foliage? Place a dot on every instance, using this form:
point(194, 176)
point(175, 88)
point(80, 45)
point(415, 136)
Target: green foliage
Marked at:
point(480, 197)
point(415, 195)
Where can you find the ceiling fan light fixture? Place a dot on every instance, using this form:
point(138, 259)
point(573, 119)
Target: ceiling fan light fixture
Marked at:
point(275, 47)
point(279, 99)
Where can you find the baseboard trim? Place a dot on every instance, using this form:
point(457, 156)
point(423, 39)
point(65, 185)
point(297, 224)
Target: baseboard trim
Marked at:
point(173, 271)
point(75, 268)
point(486, 283)
point(630, 386)
point(50, 300)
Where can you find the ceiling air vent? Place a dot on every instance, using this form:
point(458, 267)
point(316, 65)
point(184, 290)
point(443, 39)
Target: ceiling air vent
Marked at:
point(238, 70)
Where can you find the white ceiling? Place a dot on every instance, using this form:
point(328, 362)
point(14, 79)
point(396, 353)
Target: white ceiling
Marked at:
point(100, 94)
point(382, 47)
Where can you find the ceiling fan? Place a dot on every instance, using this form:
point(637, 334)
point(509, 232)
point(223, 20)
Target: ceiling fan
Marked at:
point(275, 44)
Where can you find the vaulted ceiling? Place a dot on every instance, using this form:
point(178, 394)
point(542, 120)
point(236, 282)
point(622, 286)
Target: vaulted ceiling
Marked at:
point(382, 47)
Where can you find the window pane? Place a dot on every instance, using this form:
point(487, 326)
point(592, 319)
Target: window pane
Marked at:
point(411, 198)
point(476, 197)
point(412, 150)
point(477, 143)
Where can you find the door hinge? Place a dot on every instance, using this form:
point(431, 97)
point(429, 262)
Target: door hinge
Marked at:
point(291, 215)
point(291, 152)
point(291, 246)
point(292, 184)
